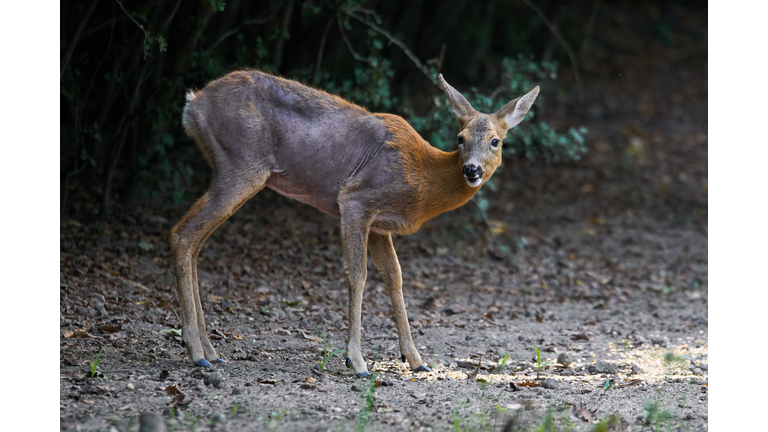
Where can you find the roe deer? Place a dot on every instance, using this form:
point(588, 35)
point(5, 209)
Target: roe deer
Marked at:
point(371, 170)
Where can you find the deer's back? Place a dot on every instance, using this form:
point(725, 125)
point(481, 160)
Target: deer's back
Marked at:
point(310, 141)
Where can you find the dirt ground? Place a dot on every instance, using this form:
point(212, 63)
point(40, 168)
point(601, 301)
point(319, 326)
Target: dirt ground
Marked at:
point(600, 263)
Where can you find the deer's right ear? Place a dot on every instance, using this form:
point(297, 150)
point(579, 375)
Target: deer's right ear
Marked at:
point(459, 104)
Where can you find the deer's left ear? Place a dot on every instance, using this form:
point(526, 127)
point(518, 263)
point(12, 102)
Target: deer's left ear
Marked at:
point(513, 113)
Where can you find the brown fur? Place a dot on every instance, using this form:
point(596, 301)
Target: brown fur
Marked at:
point(435, 178)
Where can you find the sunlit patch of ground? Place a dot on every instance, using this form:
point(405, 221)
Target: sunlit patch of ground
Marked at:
point(656, 364)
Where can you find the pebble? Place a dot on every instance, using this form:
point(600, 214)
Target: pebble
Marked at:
point(549, 383)
point(218, 418)
point(603, 367)
point(564, 359)
point(130, 387)
point(213, 379)
point(151, 422)
point(237, 391)
point(659, 341)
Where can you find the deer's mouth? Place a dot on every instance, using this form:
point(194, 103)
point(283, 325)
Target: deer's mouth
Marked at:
point(473, 181)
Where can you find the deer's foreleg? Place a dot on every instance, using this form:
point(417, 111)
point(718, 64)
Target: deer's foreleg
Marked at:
point(385, 258)
point(354, 238)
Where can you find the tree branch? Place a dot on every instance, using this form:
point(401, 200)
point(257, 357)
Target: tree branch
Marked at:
point(75, 38)
point(563, 43)
point(357, 56)
point(245, 23)
point(320, 50)
point(397, 42)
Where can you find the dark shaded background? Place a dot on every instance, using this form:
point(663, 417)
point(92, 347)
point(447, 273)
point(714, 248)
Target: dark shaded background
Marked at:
point(125, 67)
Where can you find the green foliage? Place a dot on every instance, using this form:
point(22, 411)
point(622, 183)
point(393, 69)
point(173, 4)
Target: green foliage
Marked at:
point(217, 5)
point(367, 412)
point(122, 89)
point(539, 364)
point(503, 363)
point(95, 365)
point(325, 355)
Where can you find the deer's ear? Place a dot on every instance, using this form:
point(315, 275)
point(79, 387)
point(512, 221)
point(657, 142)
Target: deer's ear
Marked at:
point(459, 104)
point(514, 112)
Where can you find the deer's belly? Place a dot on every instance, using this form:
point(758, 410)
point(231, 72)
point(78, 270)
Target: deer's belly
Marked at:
point(304, 194)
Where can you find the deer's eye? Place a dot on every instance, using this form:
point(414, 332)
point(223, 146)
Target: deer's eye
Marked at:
point(495, 143)
point(461, 140)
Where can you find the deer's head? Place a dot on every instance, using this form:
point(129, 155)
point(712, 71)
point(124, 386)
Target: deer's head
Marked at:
point(481, 135)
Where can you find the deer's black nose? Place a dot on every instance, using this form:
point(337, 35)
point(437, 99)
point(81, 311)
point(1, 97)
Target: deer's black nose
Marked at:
point(472, 172)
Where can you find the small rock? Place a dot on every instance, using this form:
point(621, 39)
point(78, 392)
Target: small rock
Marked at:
point(550, 384)
point(218, 418)
point(636, 369)
point(697, 371)
point(237, 391)
point(326, 388)
point(151, 422)
point(354, 388)
point(563, 359)
point(659, 341)
point(130, 386)
point(603, 367)
point(197, 374)
point(84, 311)
point(213, 379)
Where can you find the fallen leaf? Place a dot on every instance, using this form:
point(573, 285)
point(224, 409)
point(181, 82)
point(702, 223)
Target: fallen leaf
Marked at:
point(528, 384)
point(173, 390)
point(307, 386)
point(579, 336)
point(311, 337)
point(111, 328)
point(311, 380)
point(68, 333)
point(581, 412)
point(238, 336)
point(473, 375)
point(266, 381)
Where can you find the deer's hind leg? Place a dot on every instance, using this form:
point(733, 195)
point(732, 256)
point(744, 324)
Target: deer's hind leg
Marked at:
point(385, 258)
point(223, 198)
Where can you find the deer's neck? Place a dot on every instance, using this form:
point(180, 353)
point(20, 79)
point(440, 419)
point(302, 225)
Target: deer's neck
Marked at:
point(433, 176)
point(441, 185)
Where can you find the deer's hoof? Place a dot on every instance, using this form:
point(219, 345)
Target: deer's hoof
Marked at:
point(402, 358)
point(422, 368)
point(348, 363)
point(364, 374)
point(203, 363)
point(220, 361)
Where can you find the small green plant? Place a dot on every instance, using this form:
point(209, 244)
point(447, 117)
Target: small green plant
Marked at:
point(235, 407)
point(655, 417)
point(370, 400)
point(607, 423)
point(501, 366)
point(539, 364)
point(95, 365)
point(548, 423)
point(325, 355)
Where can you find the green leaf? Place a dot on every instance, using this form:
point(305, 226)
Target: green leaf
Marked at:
point(146, 246)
